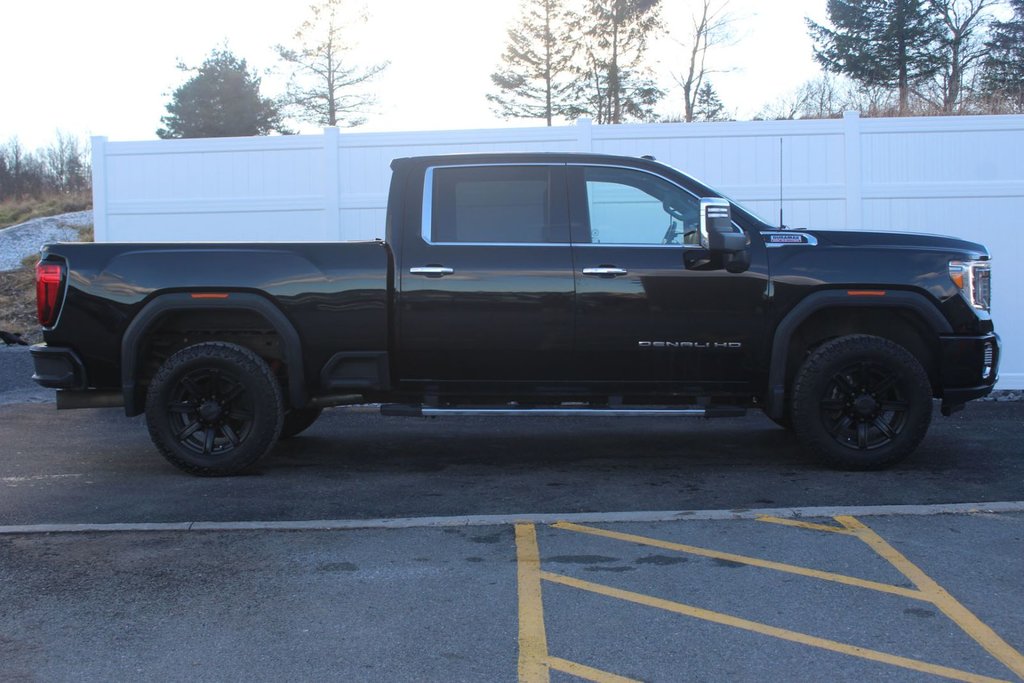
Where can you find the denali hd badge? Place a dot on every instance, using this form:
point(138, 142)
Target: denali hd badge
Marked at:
point(689, 345)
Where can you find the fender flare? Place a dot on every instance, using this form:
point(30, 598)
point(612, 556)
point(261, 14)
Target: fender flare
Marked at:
point(837, 298)
point(184, 301)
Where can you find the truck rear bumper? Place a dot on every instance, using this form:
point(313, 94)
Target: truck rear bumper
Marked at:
point(970, 368)
point(57, 367)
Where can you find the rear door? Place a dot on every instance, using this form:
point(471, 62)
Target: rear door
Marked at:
point(486, 277)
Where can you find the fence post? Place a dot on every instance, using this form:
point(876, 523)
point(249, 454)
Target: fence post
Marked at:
point(584, 135)
point(99, 188)
point(854, 171)
point(332, 184)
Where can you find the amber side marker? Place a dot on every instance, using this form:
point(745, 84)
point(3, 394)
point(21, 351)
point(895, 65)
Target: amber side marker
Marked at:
point(210, 295)
point(865, 292)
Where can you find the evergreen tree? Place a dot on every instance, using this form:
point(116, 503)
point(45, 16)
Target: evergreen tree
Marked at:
point(325, 87)
point(889, 43)
point(708, 106)
point(222, 100)
point(534, 80)
point(1003, 72)
point(614, 84)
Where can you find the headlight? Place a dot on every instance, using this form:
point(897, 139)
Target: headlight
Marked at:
point(974, 278)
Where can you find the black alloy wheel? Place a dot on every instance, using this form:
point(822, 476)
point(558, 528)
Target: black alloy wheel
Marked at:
point(211, 411)
point(863, 407)
point(214, 409)
point(861, 402)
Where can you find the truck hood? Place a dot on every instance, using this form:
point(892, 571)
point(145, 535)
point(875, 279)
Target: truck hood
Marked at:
point(896, 240)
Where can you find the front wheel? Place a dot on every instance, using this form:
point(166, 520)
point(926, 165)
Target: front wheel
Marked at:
point(861, 402)
point(214, 409)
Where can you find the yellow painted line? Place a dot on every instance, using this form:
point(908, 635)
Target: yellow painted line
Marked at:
point(533, 642)
point(806, 525)
point(765, 629)
point(743, 559)
point(587, 672)
point(937, 595)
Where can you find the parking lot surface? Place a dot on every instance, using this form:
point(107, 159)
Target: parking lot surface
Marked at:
point(96, 466)
point(667, 601)
point(470, 549)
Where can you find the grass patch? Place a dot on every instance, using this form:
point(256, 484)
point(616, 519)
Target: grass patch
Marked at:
point(18, 301)
point(13, 212)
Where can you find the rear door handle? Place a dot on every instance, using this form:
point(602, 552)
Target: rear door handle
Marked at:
point(432, 271)
point(605, 271)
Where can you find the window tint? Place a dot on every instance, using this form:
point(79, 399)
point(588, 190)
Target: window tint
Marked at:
point(510, 204)
point(633, 207)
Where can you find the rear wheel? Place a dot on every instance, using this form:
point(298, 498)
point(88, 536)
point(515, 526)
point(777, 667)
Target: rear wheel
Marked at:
point(861, 402)
point(299, 420)
point(214, 409)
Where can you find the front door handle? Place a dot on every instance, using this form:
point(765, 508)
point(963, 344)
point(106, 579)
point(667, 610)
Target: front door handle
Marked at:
point(605, 271)
point(432, 271)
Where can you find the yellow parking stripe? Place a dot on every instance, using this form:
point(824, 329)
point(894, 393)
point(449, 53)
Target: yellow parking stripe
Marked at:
point(806, 525)
point(938, 596)
point(587, 672)
point(764, 629)
point(743, 559)
point(533, 642)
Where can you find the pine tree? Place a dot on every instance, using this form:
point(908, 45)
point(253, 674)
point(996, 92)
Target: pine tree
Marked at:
point(1003, 72)
point(222, 100)
point(708, 106)
point(325, 87)
point(614, 82)
point(888, 43)
point(534, 80)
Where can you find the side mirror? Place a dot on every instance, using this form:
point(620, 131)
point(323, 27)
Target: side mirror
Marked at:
point(716, 231)
point(718, 236)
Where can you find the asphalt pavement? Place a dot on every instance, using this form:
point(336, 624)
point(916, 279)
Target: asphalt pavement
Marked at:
point(504, 549)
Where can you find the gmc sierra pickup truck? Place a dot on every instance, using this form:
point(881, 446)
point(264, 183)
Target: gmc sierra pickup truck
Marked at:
point(527, 284)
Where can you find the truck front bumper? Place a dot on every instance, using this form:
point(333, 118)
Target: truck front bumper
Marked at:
point(57, 367)
point(970, 368)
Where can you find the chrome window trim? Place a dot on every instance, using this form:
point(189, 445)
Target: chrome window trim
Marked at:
point(428, 194)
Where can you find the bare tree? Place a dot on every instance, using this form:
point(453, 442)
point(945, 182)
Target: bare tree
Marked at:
point(824, 97)
point(709, 27)
point(324, 86)
point(67, 164)
point(965, 23)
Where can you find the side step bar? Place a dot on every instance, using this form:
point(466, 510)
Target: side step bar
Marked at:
point(405, 410)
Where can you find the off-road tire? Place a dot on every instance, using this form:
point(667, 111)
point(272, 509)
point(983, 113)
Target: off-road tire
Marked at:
point(214, 409)
point(861, 402)
point(299, 420)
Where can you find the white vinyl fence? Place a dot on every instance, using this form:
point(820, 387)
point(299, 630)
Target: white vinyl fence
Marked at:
point(961, 176)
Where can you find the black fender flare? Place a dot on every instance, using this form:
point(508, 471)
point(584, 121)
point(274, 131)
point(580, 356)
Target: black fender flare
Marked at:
point(837, 298)
point(182, 301)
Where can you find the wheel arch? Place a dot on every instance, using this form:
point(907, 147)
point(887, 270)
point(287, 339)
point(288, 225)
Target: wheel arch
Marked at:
point(156, 310)
point(829, 313)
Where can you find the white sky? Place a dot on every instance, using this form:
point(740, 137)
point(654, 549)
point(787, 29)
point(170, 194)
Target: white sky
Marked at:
point(107, 67)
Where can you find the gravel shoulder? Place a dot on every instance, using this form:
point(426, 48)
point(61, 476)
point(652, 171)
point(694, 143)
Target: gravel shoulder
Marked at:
point(20, 241)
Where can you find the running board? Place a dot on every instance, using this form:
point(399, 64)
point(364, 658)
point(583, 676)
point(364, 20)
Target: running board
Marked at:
point(405, 410)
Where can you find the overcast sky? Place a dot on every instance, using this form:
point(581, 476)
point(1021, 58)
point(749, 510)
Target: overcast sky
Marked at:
point(107, 67)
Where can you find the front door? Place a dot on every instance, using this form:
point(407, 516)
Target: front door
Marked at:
point(653, 308)
point(486, 279)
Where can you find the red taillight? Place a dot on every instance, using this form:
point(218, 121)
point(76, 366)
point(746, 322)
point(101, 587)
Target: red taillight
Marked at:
point(49, 277)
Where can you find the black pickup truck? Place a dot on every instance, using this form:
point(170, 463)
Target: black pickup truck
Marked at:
point(533, 284)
